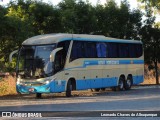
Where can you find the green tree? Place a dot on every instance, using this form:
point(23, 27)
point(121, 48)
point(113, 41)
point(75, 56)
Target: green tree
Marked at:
point(3, 11)
point(111, 25)
point(100, 16)
point(85, 18)
point(43, 18)
point(118, 22)
point(155, 4)
point(25, 18)
point(77, 17)
point(13, 32)
point(68, 16)
point(151, 35)
point(151, 39)
point(129, 21)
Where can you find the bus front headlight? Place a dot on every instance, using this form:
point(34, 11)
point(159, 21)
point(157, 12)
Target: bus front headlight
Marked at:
point(18, 82)
point(47, 82)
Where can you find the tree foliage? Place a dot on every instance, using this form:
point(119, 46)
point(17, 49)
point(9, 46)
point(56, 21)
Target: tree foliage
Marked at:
point(22, 19)
point(118, 22)
point(77, 16)
point(152, 3)
point(150, 35)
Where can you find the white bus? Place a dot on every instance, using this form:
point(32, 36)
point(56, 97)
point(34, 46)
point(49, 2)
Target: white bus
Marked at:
point(54, 63)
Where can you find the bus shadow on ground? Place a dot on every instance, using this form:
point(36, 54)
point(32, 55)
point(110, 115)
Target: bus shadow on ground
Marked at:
point(136, 90)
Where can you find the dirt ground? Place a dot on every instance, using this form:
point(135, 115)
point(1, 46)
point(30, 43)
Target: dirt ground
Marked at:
point(149, 81)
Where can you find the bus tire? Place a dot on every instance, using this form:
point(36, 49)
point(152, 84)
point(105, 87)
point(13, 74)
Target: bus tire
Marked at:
point(121, 84)
point(38, 95)
point(69, 89)
point(128, 83)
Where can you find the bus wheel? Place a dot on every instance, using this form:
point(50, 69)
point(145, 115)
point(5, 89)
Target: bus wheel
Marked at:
point(128, 83)
point(69, 89)
point(121, 84)
point(38, 95)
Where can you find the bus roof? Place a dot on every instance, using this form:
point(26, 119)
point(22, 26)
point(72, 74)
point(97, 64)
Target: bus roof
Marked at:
point(54, 38)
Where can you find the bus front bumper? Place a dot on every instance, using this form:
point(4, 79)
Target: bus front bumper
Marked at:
point(51, 87)
point(33, 89)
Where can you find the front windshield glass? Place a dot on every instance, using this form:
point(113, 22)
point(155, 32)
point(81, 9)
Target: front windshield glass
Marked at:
point(34, 61)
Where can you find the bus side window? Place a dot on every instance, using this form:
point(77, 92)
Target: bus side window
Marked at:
point(135, 50)
point(132, 51)
point(58, 63)
point(113, 50)
point(139, 50)
point(123, 50)
point(101, 50)
point(90, 50)
point(65, 46)
point(77, 50)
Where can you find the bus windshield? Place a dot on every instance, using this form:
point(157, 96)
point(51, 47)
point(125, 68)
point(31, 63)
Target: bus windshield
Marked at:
point(34, 61)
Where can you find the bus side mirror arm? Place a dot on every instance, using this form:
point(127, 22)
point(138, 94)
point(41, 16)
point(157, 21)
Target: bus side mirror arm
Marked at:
point(53, 53)
point(11, 54)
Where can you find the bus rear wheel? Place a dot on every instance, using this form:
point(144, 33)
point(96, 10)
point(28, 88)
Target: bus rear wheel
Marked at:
point(128, 83)
point(69, 89)
point(121, 84)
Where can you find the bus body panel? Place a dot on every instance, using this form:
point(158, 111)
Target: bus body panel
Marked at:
point(88, 73)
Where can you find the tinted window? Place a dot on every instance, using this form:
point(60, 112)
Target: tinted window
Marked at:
point(135, 50)
point(90, 49)
point(65, 45)
point(123, 51)
point(132, 50)
point(83, 49)
point(139, 50)
point(113, 50)
point(77, 50)
point(63, 52)
point(101, 50)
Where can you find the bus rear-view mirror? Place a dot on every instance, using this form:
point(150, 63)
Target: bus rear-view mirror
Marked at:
point(53, 53)
point(11, 55)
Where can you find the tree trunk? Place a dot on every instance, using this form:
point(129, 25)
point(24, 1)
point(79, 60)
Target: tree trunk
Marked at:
point(156, 71)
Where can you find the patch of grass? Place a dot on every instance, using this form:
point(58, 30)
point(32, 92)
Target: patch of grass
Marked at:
point(7, 86)
point(150, 81)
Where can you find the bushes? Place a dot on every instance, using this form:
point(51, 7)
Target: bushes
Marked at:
point(7, 86)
